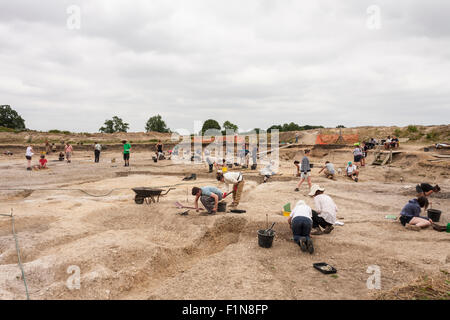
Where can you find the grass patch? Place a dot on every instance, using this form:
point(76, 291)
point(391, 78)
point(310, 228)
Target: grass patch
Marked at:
point(424, 288)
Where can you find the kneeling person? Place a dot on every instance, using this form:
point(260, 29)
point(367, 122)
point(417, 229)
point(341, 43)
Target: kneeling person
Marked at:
point(300, 222)
point(410, 214)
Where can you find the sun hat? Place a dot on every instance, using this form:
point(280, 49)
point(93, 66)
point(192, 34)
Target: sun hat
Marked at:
point(349, 163)
point(314, 189)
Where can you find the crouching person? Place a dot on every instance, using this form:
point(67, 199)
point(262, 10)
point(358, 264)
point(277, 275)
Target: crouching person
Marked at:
point(209, 197)
point(410, 215)
point(325, 214)
point(300, 221)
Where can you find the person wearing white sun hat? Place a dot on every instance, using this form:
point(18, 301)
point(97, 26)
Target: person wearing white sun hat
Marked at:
point(325, 214)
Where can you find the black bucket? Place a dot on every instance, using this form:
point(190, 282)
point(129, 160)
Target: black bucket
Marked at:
point(434, 214)
point(426, 149)
point(265, 239)
point(253, 167)
point(222, 207)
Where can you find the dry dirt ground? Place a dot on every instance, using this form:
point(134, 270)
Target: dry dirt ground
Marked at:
point(129, 251)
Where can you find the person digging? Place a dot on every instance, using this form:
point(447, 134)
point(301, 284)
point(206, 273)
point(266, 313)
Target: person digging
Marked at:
point(325, 213)
point(237, 180)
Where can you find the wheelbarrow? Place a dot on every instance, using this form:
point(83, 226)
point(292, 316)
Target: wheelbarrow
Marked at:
point(148, 195)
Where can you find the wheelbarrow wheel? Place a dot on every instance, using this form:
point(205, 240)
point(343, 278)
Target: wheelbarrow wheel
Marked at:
point(139, 200)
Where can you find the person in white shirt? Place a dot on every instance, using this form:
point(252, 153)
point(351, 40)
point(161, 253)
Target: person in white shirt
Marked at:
point(300, 221)
point(352, 171)
point(97, 150)
point(325, 214)
point(357, 154)
point(28, 155)
point(236, 179)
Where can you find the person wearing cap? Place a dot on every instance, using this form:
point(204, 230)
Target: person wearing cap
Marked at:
point(352, 171)
point(300, 221)
point(209, 196)
point(237, 180)
point(325, 213)
point(357, 154)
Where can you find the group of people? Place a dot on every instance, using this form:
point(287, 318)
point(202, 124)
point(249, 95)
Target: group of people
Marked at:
point(304, 169)
point(29, 153)
point(391, 143)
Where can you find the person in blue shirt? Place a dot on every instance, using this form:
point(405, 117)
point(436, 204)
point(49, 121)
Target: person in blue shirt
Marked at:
point(209, 197)
point(410, 214)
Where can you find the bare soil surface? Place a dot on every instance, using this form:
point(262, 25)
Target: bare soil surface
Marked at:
point(129, 251)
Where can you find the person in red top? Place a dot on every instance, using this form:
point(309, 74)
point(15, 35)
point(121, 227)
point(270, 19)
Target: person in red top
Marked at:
point(42, 162)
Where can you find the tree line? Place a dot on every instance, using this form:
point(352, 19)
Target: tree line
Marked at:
point(10, 120)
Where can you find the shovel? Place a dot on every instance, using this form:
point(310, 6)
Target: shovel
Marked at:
point(267, 231)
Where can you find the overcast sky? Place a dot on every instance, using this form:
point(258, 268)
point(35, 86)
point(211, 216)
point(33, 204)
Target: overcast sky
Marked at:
point(254, 63)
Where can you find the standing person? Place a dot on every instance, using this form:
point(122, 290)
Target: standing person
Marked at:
point(352, 171)
point(329, 170)
point(126, 152)
point(410, 214)
point(254, 156)
point(237, 180)
point(209, 197)
point(48, 148)
point(159, 150)
point(357, 155)
point(68, 150)
point(28, 155)
point(325, 214)
point(296, 137)
point(300, 222)
point(97, 150)
point(305, 171)
point(365, 150)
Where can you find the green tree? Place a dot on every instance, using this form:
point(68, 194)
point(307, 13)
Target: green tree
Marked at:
point(114, 125)
point(9, 118)
point(157, 124)
point(227, 125)
point(210, 124)
point(275, 126)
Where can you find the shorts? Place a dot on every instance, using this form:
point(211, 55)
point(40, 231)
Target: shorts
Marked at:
point(357, 158)
point(404, 220)
point(305, 175)
point(126, 156)
point(68, 155)
point(28, 157)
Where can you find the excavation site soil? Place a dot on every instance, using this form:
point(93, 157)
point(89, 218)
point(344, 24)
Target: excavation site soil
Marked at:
point(82, 217)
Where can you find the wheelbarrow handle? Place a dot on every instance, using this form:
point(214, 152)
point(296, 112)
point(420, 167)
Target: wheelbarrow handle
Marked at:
point(163, 194)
